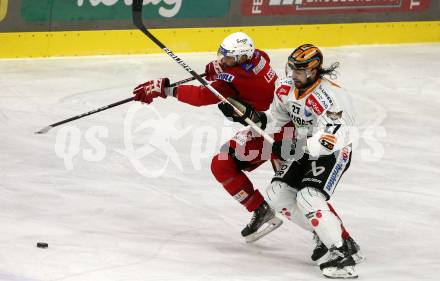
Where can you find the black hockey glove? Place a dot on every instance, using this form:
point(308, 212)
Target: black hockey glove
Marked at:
point(259, 118)
point(284, 149)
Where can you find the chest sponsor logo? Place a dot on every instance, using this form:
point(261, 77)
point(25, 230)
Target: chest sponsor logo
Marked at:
point(323, 96)
point(299, 121)
point(314, 104)
point(292, 7)
point(226, 77)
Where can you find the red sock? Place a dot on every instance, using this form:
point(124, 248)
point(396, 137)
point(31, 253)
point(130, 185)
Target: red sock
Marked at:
point(236, 183)
point(345, 233)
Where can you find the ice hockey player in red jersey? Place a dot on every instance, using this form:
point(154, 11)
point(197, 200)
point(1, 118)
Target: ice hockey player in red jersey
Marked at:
point(242, 74)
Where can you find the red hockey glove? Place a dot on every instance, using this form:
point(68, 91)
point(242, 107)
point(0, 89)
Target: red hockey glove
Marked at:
point(150, 90)
point(213, 69)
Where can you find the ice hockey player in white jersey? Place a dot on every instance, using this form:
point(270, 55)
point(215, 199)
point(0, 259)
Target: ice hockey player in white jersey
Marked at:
point(315, 160)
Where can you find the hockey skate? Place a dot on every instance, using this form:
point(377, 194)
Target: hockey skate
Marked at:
point(262, 223)
point(320, 253)
point(340, 264)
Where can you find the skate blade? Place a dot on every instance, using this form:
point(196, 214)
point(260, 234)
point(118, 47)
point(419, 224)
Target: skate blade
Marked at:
point(323, 259)
point(347, 272)
point(265, 229)
point(358, 258)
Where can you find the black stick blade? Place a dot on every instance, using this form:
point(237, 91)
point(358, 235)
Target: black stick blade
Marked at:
point(44, 130)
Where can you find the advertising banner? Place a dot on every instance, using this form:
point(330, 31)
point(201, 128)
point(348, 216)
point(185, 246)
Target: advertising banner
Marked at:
point(3, 9)
point(80, 10)
point(310, 7)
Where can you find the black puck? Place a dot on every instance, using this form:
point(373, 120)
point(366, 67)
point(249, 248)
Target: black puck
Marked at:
point(42, 245)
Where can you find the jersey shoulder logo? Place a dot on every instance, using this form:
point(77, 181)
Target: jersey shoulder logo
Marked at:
point(261, 64)
point(283, 87)
point(283, 90)
point(226, 77)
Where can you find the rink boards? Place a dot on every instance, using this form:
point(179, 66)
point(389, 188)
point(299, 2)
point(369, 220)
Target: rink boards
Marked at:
point(110, 42)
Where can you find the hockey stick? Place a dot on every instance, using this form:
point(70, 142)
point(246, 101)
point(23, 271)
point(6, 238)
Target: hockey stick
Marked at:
point(48, 128)
point(137, 20)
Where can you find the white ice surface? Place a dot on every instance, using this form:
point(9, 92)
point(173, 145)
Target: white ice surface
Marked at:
point(104, 220)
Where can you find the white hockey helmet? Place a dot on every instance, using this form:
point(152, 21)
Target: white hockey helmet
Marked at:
point(236, 45)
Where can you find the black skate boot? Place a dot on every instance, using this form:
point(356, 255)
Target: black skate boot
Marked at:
point(340, 264)
point(354, 250)
point(262, 223)
point(320, 253)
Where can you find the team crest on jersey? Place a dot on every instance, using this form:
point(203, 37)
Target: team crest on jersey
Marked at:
point(226, 77)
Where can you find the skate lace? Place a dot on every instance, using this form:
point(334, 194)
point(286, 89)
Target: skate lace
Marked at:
point(352, 246)
point(335, 253)
point(253, 219)
point(318, 241)
point(316, 238)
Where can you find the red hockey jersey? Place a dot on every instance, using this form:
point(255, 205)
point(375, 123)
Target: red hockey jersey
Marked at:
point(252, 82)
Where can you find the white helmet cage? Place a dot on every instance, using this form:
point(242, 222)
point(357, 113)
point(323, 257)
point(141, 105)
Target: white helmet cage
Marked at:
point(236, 45)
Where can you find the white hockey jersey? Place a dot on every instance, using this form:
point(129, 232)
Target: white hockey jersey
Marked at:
point(323, 115)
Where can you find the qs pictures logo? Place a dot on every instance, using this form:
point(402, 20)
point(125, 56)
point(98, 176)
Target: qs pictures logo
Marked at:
point(3, 9)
